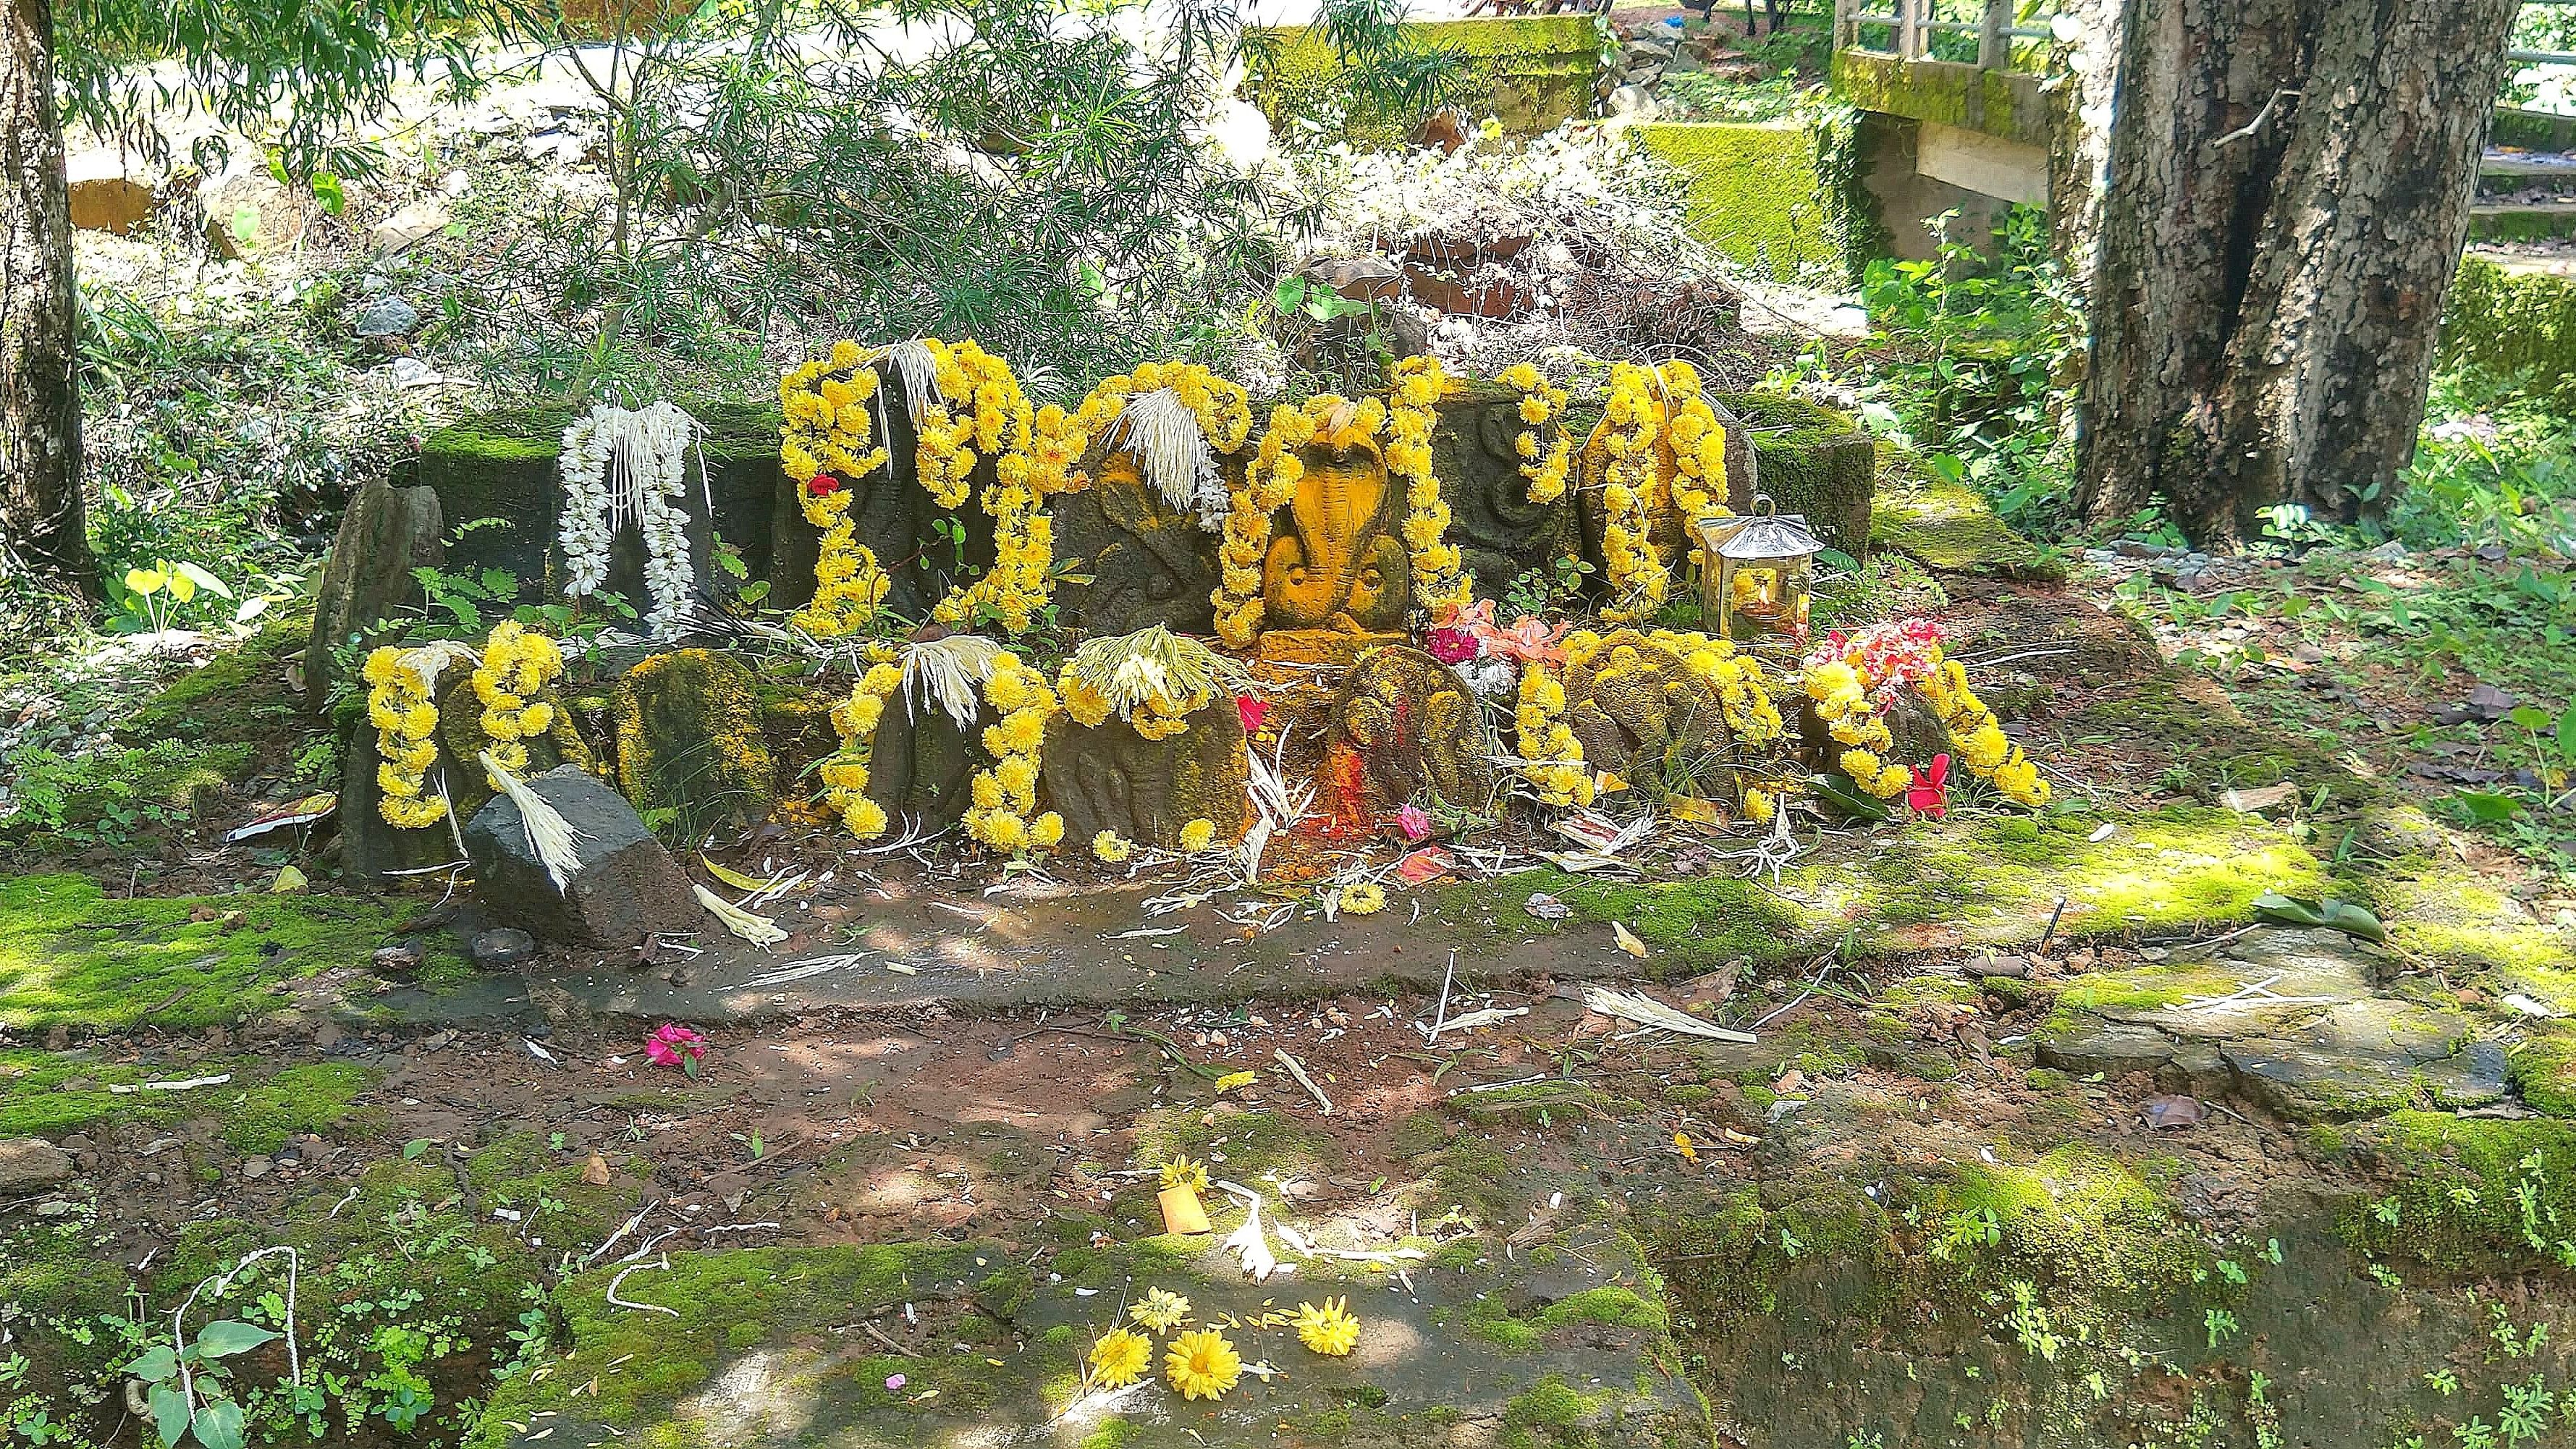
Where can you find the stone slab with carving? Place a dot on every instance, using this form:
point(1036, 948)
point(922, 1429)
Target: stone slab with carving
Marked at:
point(1500, 533)
point(1404, 724)
point(1133, 559)
point(1110, 777)
point(689, 739)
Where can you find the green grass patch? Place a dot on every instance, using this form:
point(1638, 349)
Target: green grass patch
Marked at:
point(71, 955)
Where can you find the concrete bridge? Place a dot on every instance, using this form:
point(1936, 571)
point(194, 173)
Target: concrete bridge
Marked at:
point(1956, 119)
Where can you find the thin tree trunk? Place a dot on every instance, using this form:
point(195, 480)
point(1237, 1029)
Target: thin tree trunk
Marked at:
point(2285, 203)
point(41, 519)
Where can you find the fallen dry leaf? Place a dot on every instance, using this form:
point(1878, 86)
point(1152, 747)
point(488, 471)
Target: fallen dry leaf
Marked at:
point(1628, 941)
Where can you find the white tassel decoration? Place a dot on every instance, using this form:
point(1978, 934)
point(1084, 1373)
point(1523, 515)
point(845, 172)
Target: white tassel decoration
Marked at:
point(549, 834)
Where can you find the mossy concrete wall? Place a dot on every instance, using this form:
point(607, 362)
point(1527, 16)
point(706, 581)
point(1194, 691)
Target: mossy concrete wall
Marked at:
point(1998, 103)
point(1762, 194)
point(2509, 318)
point(1532, 73)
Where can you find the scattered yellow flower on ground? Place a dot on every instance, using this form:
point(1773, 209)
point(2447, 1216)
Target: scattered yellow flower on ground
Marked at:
point(1160, 1310)
point(1108, 847)
point(1330, 1330)
point(1120, 1358)
point(1198, 835)
point(1363, 900)
point(1182, 1172)
point(1232, 1080)
point(1202, 1365)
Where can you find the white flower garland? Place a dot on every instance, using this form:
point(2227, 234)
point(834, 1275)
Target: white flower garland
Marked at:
point(618, 464)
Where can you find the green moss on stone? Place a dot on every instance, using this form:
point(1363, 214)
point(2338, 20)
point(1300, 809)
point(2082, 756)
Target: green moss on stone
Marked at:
point(1759, 193)
point(2082, 1220)
point(72, 956)
point(313, 1097)
point(2544, 1070)
point(691, 749)
point(1998, 103)
point(1532, 73)
point(2469, 1193)
point(2509, 320)
point(1947, 527)
point(239, 696)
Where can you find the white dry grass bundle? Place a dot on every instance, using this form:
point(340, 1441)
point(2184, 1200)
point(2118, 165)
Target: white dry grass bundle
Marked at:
point(950, 673)
point(549, 834)
point(920, 373)
point(1160, 432)
point(758, 930)
point(1152, 663)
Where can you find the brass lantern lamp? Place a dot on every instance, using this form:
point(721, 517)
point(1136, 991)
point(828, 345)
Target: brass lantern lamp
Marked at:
point(1764, 569)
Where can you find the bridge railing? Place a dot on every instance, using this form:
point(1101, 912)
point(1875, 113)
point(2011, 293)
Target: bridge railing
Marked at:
point(1916, 29)
point(2544, 57)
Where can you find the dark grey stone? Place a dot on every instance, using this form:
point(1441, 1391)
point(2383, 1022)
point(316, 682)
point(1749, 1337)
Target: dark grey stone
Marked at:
point(386, 533)
point(388, 316)
point(502, 947)
point(625, 888)
point(2111, 1048)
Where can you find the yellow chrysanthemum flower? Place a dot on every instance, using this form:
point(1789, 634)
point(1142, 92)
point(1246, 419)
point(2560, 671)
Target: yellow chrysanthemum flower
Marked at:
point(1198, 835)
point(1363, 900)
point(1160, 1310)
point(1202, 1365)
point(1108, 848)
point(1182, 1172)
point(1119, 1358)
point(1329, 1329)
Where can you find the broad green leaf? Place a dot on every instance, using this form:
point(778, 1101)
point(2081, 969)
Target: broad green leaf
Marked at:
point(205, 581)
point(157, 1363)
point(219, 1425)
point(169, 1413)
point(1289, 293)
point(225, 1337)
point(2530, 717)
point(328, 191)
point(2342, 916)
point(146, 582)
point(2567, 735)
point(182, 587)
point(2488, 808)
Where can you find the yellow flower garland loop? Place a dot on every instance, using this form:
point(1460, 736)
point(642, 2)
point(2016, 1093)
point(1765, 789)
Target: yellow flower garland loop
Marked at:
point(1223, 409)
point(516, 664)
point(1988, 753)
point(979, 412)
point(1005, 793)
point(1551, 757)
point(1438, 577)
point(1022, 577)
point(401, 707)
point(845, 772)
point(1840, 693)
point(1699, 445)
point(825, 448)
point(1542, 402)
point(1630, 426)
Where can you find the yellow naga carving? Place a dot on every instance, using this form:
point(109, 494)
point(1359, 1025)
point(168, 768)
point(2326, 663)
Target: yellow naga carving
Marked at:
point(1341, 565)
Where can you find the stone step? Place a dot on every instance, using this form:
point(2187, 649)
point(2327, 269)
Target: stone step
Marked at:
point(2525, 221)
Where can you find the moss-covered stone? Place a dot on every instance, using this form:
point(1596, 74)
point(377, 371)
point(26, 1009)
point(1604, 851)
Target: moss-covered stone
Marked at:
point(2513, 320)
point(1761, 193)
point(2469, 1193)
point(691, 751)
point(1997, 102)
point(1814, 461)
point(310, 1097)
point(1948, 527)
point(1530, 72)
point(2544, 1070)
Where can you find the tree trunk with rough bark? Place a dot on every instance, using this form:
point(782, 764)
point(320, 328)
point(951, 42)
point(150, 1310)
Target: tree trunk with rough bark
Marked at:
point(41, 519)
point(2285, 203)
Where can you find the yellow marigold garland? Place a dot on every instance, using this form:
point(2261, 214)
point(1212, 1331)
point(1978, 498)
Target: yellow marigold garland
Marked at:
point(1438, 577)
point(1006, 792)
point(1022, 577)
point(824, 446)
point(1840, 692)
point(1984, 748)
point(1699, 445)
point(517, 662)
point(979, 412)
point(1631, 418)
point(1267, 486)
point(405, 715)
point(1223, 408)
point(1159, 717)
point(1541, 403)
point(845, 771)
point(1552, 758)
point(1743, 694)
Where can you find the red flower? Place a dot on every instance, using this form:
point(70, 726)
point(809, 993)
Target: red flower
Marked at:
point(1930, 792)
point(1252, 711)
point(823, 485)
